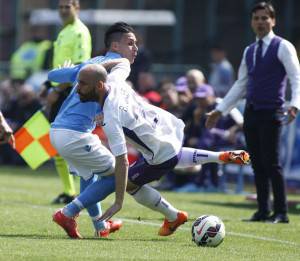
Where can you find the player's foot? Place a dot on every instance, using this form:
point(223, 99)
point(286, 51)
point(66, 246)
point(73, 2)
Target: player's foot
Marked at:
point(112, 226)
point(239, 157)
point(169, 227)
point(63, 198)
point(67, 223)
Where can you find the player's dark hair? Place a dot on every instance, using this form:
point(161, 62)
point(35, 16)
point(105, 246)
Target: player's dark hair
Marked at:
point(264, 6)
point(114, 33)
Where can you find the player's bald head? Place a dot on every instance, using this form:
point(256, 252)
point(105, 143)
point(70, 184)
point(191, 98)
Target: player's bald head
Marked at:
point(91, 82)
point(96, 72)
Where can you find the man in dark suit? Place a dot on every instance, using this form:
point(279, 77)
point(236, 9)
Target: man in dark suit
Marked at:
point(262, 80)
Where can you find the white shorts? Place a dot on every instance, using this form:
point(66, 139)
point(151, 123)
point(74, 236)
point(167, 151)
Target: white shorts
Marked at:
point(84, 152)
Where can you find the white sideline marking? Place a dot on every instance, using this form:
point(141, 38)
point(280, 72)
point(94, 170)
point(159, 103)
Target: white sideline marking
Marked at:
point(182, 228)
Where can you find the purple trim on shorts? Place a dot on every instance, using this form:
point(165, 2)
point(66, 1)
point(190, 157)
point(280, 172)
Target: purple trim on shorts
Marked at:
point(142, 173)
point(132, 135)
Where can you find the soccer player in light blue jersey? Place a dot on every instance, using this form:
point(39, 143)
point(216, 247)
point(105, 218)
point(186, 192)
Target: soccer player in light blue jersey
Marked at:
point(71, 136)
point(71, 131)
point(87, 157)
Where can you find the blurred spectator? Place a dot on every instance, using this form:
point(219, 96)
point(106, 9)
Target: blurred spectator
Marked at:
point(222, 73)
point(174, 100)
point(21, 106)
point(224, 135)
point(194, 79)
point(170, 98)
point(31, 56)
point(184, 93)
point(146, 87)
point(6, 93)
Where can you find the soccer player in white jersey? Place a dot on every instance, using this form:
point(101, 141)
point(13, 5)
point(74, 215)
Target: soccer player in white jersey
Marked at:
point(71, 131)
point(71, 135)
point(156, 133)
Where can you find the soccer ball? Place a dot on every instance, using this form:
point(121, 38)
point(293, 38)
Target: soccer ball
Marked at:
point(208, 231)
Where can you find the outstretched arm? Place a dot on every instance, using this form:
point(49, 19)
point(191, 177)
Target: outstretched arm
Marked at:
point(121, 173)
point(119, 69)
point(65, 74)
point(117, 144)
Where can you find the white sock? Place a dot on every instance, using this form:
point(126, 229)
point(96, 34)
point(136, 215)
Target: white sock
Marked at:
point(151, 198)
point(191, 157)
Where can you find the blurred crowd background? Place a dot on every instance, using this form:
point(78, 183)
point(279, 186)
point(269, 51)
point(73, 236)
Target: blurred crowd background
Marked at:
point(188, 59)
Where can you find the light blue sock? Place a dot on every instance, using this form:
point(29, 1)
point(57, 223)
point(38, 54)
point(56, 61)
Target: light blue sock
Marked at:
point(94, 210)
point(97, 191)
point(92, 192)
point(73, 208)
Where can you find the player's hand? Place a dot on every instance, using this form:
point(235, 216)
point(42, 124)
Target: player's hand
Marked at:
point(67, 64)
point(212, 118)
point(115, 208)
point(108, 65)
point(292, 114)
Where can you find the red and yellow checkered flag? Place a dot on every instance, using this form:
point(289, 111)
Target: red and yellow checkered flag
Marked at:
point(33, 142)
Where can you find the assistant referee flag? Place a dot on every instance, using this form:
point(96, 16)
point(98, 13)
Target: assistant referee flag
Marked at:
point(33, 142)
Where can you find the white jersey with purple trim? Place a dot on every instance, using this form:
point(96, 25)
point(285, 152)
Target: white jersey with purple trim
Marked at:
point(156, 133)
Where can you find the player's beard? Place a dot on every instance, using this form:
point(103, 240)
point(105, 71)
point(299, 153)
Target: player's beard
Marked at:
point(91, 96)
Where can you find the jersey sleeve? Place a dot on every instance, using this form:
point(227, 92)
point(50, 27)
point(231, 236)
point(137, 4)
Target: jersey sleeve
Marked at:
point(120, 72)
point(115, 135)
point(64, 75)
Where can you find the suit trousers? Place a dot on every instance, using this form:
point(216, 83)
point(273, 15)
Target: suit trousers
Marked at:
point(262, 132)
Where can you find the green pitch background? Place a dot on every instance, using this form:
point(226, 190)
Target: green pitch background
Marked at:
point(28, 233)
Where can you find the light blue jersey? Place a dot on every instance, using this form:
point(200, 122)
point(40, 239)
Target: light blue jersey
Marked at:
point(73, 114)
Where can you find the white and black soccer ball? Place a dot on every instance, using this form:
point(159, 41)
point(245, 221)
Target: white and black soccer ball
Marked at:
point(208, 230)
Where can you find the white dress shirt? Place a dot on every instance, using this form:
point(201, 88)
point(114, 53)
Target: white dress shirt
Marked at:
point(287, 55)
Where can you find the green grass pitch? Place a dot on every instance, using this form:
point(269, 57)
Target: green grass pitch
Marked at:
point(28, 233)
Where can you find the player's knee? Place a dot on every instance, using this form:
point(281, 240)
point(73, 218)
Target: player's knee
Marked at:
point(131, 188)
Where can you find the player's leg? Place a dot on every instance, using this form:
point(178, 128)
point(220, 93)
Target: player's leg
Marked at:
point(89, 199)
point(190, 157)
point(94, 210)
point(95, 192)
point(88, 157)
point(98, 161)
point(142, 173)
